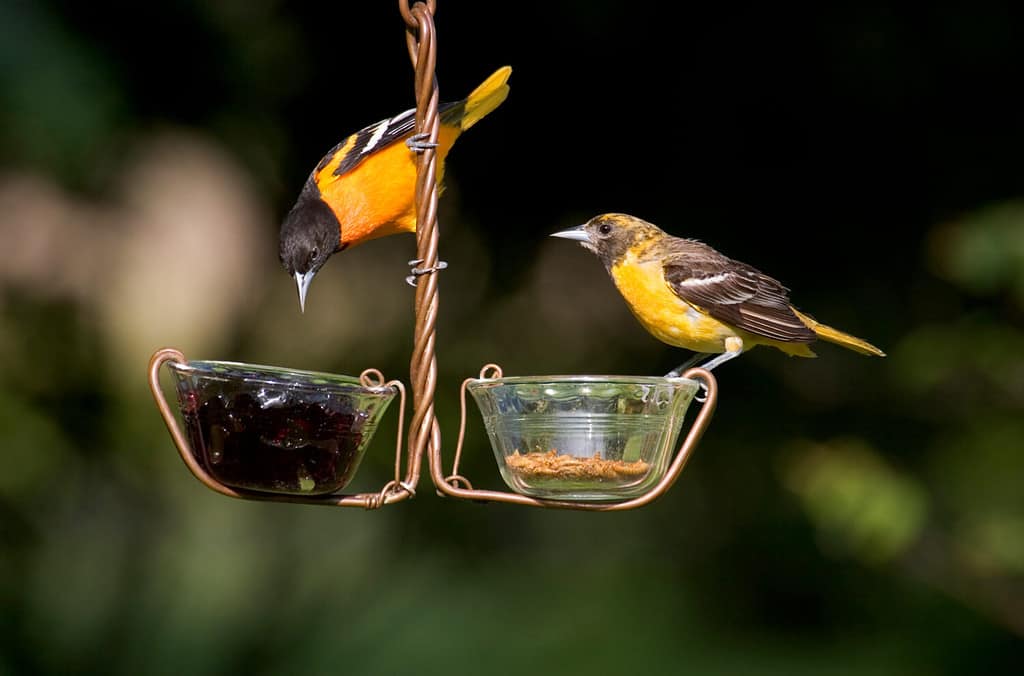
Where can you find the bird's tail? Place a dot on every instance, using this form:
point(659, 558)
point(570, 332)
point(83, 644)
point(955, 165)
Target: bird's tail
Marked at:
point(838, 337)
point(483, 100)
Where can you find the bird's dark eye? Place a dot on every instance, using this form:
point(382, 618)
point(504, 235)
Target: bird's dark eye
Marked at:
point(604, 229)
point(313, 255)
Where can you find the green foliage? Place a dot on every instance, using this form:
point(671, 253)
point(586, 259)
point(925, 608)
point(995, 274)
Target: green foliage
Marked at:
point(856, 501)
point(59, 103)
point(984, 252)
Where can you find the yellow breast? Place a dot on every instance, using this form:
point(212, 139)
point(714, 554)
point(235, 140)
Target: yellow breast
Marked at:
point(667, 317)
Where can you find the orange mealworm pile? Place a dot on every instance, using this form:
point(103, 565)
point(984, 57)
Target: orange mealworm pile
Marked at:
point(551, 465)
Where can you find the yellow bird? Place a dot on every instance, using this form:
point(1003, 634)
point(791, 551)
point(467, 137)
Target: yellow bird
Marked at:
point(688, 295)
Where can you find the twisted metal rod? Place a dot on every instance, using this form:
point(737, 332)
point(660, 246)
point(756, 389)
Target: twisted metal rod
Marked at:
point(424, 431)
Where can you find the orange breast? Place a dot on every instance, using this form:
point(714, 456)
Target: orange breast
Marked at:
point(377, 197)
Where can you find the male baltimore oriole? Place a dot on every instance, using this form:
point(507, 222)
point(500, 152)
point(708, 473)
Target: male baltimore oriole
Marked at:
point(688, 295)
point(364, 187)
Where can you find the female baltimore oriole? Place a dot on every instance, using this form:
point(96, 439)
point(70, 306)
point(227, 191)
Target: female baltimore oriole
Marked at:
point(364, 187)
point(688, 295)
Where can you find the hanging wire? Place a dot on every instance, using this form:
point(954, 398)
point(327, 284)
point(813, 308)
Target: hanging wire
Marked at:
point(424, 432)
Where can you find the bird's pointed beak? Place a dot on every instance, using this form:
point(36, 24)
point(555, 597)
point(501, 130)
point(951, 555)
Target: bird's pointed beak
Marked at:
point(579, 234)
point(302, 281)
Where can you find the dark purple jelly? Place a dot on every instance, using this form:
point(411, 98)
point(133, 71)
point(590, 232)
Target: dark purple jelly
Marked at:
point(278, 435)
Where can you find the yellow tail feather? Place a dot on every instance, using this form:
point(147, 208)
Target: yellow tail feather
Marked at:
point(838, 337)
point(484, 98)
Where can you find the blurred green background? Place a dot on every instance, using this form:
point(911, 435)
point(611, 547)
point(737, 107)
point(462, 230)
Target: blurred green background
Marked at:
point(842, 516)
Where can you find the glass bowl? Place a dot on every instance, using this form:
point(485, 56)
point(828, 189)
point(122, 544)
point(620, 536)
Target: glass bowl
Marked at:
point(274, 430)
point(583, 437)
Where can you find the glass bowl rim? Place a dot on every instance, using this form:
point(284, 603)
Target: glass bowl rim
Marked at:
point(208, 368)
point(585, 379)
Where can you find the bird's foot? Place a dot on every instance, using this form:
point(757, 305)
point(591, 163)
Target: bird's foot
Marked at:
point(420, 142)
point(416, 272)
point(689, 363)
point(733, 349)
point(678, 371)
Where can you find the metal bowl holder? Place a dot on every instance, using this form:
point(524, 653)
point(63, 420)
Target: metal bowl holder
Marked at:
point(424, 431)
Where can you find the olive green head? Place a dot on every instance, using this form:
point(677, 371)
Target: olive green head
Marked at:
point(610, 236)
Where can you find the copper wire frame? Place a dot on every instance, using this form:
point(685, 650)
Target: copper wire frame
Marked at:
point(424, 431)
point(457, 486)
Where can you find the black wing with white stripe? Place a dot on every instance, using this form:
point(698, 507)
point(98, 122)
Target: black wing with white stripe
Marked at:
point(734, 293)
point(371, 139)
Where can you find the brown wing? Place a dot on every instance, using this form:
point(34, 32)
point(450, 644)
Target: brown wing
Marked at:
point(732, 292)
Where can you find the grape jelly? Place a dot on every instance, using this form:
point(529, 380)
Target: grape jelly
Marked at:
point(269, 430)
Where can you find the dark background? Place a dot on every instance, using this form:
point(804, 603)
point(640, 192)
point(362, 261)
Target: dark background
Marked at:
point(843, 515)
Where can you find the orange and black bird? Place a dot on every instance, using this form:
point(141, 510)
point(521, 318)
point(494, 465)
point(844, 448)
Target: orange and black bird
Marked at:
point(688, 295)
point(364, 187)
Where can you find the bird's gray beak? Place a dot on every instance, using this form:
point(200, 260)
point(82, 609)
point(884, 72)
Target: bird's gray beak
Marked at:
point(579, 234)
point(302, 281)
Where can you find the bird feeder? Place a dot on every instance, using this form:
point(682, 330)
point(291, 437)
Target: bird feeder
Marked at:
point(267, 433)
point(573, 442)
point(581, 442)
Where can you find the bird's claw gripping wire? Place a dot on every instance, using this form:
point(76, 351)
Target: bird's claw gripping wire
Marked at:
point(420, 142)
point(678, 371)
point(733, 349)
point(419, 272)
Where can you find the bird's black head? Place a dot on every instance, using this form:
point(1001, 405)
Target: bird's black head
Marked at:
point(309, 235)
point(610, 236)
